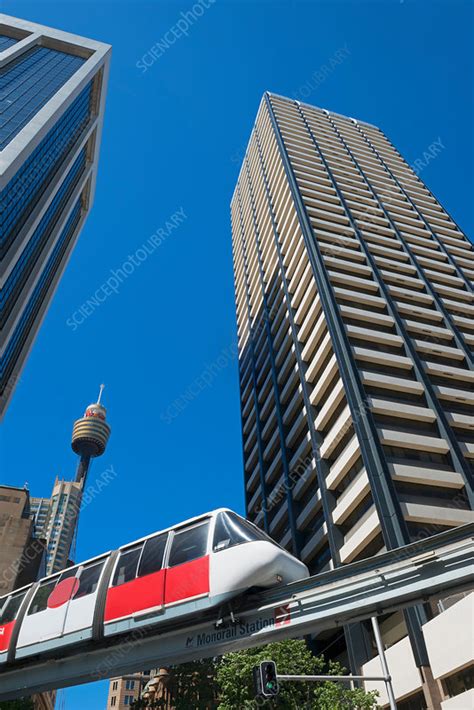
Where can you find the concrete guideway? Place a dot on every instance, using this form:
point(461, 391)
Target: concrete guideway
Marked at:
point(437, 566)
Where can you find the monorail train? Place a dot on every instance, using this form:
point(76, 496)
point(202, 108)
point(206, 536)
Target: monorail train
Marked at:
point(184, 570)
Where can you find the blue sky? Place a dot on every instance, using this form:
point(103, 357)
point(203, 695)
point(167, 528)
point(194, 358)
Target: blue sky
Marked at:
point(173, 140)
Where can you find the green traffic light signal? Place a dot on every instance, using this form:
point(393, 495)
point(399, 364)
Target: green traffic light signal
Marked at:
point(265, 680)
point(268, 673)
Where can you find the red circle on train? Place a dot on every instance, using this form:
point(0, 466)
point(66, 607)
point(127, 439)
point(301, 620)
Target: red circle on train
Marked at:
point(63, 592)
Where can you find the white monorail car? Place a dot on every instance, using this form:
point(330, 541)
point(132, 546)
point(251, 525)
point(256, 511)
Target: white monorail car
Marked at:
point(186, 569)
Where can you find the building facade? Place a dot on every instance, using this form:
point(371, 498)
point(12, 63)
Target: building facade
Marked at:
point(22, 552)
point(125, 690)
point(52, 89)
point(160, 689)
point(39, 509)
point(355, 329)
point(56, 521)
point(22, 556)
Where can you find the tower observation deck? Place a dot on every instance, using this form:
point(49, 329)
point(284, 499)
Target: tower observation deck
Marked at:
point(90, 435)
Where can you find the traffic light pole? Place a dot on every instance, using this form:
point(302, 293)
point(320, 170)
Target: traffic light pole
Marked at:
point(386, 678)
point(383, 663)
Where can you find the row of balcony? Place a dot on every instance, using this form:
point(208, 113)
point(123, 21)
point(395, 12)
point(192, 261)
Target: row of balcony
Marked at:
point(312, 334)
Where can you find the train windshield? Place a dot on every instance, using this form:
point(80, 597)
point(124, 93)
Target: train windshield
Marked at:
point(231, 530)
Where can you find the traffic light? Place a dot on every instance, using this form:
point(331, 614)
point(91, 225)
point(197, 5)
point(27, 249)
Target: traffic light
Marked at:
point(265, 679)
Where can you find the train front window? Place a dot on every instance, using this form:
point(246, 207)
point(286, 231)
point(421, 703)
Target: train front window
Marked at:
point(126, 569)
point(189, 544)
point(228, 532)
point(256, 532)
point(231, 530)
point(10, 609)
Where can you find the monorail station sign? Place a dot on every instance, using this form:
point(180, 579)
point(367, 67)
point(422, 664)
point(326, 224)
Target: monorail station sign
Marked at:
point(240, 629)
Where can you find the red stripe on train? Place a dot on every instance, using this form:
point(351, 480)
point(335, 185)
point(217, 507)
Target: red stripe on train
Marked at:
point(190, 579)
point(187, 580)
point(141, 593)
point(5, 635)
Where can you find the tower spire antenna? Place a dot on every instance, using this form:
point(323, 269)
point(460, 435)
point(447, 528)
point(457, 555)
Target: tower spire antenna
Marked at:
point(100, 393)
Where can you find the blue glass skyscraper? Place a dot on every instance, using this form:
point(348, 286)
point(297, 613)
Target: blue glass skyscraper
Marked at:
point(52, 97)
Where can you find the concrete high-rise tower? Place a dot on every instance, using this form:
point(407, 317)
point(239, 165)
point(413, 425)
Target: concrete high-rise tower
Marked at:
point(56, 520)
point(52, 97)
point(354, 312)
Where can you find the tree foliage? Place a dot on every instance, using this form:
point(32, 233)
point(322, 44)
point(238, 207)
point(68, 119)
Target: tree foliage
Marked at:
point(20, 704)
point(227, 683)
point(292, 657)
